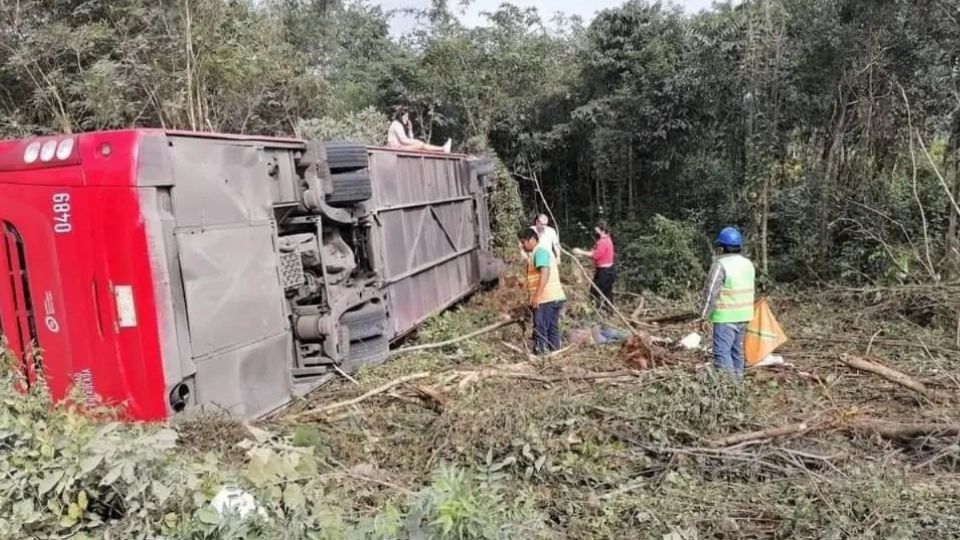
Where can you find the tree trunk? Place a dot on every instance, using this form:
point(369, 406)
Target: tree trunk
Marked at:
point(835, 142)
point(598, 187)
point(618, 205)
point(764, 220)
point(631, 185)
point(188, 53)
point(951, 168)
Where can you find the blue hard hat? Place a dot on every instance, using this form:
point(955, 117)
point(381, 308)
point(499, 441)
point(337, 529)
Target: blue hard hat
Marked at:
point(729, 237)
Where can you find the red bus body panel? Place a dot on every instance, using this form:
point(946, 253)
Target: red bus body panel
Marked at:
point(75, 272)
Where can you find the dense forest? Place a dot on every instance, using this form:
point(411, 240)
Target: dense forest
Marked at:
point(826, 129)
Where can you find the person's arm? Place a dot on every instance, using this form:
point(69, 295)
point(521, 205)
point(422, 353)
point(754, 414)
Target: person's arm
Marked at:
point(524, 256)
point(711, 290)
point(557, 249)
point(408, 133)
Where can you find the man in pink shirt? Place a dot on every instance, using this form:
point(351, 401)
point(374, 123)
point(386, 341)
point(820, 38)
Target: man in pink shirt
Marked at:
point(604, 274)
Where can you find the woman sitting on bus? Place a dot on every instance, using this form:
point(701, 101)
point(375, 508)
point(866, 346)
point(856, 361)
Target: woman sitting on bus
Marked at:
point(400, 135)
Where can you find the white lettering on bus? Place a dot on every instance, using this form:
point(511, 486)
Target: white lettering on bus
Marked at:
point(61, 213)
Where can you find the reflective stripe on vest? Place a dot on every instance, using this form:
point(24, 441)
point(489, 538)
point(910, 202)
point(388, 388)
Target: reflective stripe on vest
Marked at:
point(553, 291)
point(735, 301)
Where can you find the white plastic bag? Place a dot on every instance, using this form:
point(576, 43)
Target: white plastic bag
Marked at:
point(691, 341)
point(232, 500)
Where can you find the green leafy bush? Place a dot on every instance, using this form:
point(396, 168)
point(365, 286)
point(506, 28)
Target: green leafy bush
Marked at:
point(665, 256)
point(65, 473)
point(367, 126)
point(506, 212)
point(505, 202)
point(457, 504)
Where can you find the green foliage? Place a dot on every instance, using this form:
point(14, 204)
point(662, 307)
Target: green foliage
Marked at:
point(452, 324)
point(664, 256)
point(65, 473)
point(71, 474)
point(457, 504)
point(204, 65)
point(367, 126)
point(700, 403)
point(456, 323)
point(506, 212)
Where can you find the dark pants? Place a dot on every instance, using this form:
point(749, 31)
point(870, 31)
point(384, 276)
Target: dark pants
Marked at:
point(728, 347)
point(546, 327)
point(603, 279)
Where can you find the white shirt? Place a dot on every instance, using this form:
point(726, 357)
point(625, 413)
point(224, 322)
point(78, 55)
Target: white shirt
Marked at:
point(550, 240)
point(397, 135)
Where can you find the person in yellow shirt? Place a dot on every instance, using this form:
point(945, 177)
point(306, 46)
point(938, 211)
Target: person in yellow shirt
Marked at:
point(546, 295)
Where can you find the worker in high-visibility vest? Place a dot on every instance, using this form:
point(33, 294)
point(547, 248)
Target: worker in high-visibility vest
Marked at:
point(546, 294)
point(727, 301)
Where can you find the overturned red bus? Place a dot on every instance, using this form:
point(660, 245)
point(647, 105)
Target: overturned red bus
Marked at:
point(166, 271)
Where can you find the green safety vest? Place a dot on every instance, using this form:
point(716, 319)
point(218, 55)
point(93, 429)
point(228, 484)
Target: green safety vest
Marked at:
point(735, 301)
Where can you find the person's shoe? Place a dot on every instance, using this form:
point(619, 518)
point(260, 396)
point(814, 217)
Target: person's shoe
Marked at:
point(447, 146)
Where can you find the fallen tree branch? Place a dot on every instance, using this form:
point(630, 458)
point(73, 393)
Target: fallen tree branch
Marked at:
point(436, 398)
point(547, 379)
point(639, 309)
point(765, 434)
point(885, 429)
point(676, 318)
point(892, 342)
point(407, 399)
point(783, 371)
point(888, 430)
point(893, 376)
point(438, 395)
point(530, 356)
point(560, 352)
point(904, 432)
point(730, 454)
point(345, 375)
point(378, 390)
point(428, 346)
point(363, 478)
